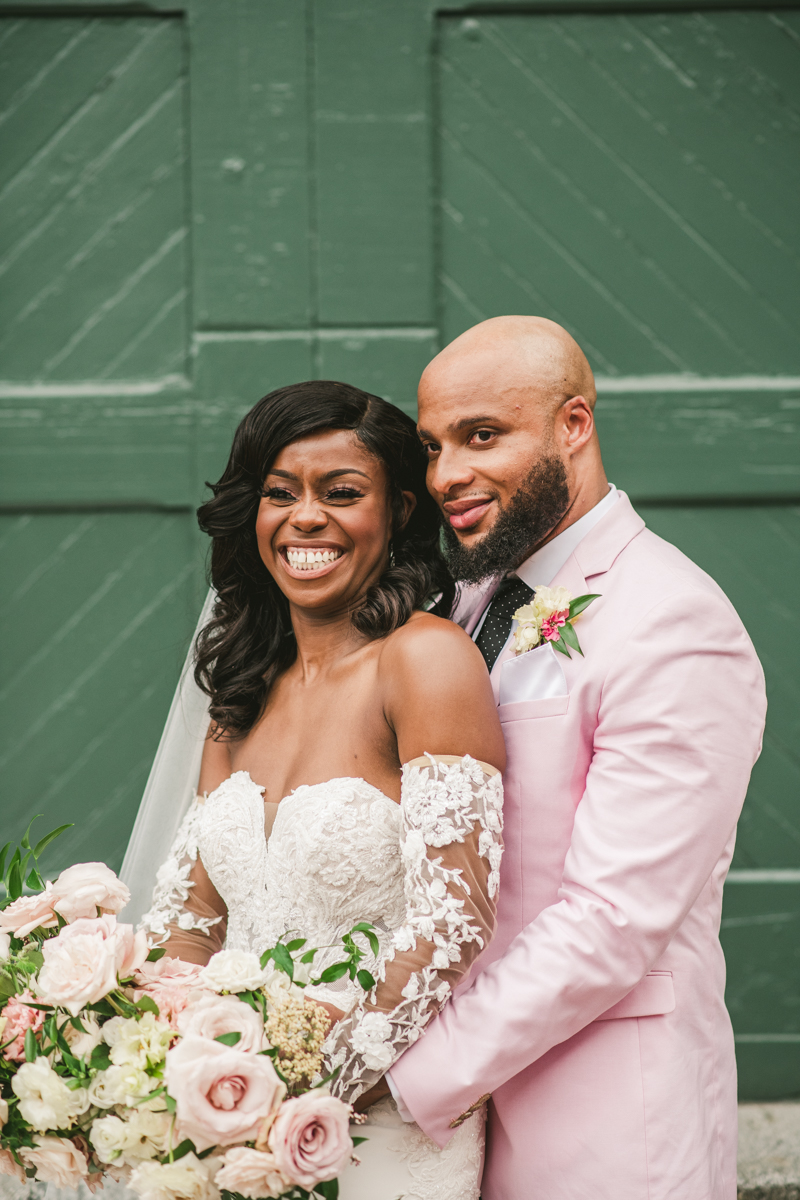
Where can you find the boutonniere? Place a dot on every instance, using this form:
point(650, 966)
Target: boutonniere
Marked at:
point(549, 618)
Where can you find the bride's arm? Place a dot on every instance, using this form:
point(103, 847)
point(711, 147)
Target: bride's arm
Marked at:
point(187, 915)
point(440, 705)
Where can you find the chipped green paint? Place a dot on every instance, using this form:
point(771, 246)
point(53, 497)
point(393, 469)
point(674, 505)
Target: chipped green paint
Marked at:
point(201, 202)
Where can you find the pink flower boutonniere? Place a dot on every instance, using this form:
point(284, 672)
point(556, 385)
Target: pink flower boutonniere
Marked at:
point(549, 618)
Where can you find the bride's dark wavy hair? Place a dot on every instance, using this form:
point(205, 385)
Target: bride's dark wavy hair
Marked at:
point(249, 640)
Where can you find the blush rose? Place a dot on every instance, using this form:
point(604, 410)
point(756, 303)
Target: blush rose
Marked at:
point(81, 890)
point(311, 1139)
point(57, 1160)
point(251, 1173)
point(222, 1096)
point(210, 1016)
point(18, 1019)
point(28, 913)
point(81, 965)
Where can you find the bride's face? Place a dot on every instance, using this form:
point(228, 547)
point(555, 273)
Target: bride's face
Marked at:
point(324, 524)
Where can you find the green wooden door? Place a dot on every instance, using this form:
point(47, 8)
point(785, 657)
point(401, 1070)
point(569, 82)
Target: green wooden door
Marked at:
point(201, 202)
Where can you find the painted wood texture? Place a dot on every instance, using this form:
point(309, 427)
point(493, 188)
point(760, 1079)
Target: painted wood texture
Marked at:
point(203, 202)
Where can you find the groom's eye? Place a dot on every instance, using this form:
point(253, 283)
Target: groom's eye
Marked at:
point(430, 448)
point(481, 437)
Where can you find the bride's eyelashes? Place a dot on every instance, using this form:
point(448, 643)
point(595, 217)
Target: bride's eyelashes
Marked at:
point(338, 494)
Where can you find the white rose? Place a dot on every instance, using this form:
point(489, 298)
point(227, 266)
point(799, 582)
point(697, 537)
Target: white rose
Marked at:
point(526, 637)
point(547, 601)
point(5, 946)
point(45, 1101)
point(187, 1179)
point(233, 971)
point(3, 1112)
point(120, 1085)
point(82, 1043)
point(371, 1038)
point(81, 890)
point(108, 1135)
point(57, 1160)
point(138, 1042)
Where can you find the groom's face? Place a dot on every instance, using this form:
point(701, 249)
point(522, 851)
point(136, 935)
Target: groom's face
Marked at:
point(494, 464)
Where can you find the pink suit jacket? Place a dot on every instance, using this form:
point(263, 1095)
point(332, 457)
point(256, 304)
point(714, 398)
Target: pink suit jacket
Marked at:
point(596, 1018)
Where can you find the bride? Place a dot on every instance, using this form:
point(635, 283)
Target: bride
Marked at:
point(351, 753)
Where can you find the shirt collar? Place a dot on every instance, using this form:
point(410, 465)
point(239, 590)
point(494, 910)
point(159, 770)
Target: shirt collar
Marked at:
point(544, 564)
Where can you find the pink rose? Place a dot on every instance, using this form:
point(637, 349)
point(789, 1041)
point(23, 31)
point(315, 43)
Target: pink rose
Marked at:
point(10, 1166)
point(172, 983)
point(251, 1173)
point(222, 1095)
point(29, 912)
point(81, 890)
point(167, 972)
point(311, 1139)
point(56, 1161)
point(81, 965)
point(209, 1016)
point(19, 1018)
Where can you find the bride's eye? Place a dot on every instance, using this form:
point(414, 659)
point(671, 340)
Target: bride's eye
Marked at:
point(282, 495)
point(344, 493)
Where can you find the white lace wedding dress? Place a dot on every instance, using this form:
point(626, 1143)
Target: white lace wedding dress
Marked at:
point(424, 872)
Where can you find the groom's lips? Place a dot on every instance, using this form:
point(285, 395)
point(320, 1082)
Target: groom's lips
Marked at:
point(464, 514)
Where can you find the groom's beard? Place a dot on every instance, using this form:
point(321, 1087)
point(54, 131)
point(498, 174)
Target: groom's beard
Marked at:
point(532, 512)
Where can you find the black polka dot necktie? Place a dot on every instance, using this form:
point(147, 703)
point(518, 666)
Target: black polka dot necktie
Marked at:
point(512, 593)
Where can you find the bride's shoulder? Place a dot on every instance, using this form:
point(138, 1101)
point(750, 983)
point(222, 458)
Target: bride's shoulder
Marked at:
point(428, 645)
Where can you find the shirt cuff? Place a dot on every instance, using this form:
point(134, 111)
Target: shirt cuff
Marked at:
point(398, 1099)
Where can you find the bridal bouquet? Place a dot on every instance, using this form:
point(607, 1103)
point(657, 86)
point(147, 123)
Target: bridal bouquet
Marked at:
point(185, 1082)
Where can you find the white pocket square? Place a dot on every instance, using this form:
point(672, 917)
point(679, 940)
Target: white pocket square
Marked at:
point(535, 675)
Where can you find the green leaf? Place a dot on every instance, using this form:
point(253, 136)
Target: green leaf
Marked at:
point(328, 1190)
point(283, 959)
point(35, 880)
point(98, 1059)
point(50, 837)
point(581, 602)
point(156, 954)
point(170, 1103)
point(14, 878)
point(148, 1004)
point(308, 956)
point(7, 989)
point(77, 1023)
point(570, 637)
point(366, 980)
point(295, 944)
point(31, 1049)
point(265, 957)
point(187, 1146)
point(358, 1140)
point(25, 843)
point(249, 998)
point(3, 854)
point(561, 648)
point(331, 974)
point(229, 1039)
point(205, 1153)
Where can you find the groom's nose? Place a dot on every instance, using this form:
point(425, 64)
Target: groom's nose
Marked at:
point(449, 471)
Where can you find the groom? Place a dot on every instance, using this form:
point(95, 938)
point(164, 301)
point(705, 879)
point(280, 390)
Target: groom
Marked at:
point(595, 1022)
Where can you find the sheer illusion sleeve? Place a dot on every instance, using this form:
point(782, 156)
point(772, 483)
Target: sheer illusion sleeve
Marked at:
point(187, 915)
point(451, 841)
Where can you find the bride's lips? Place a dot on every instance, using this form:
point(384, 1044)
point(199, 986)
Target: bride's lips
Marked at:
point(464, 514)
point(303, 572)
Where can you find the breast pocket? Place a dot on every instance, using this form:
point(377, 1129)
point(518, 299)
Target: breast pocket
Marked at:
point(527, 710)
point(535, 675)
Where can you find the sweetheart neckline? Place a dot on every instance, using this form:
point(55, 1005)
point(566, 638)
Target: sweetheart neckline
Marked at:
point(301, 787)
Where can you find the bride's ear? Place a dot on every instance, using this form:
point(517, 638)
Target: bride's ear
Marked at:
point(409, 504)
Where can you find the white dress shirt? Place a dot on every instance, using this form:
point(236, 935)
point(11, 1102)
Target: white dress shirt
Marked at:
point(538, 570)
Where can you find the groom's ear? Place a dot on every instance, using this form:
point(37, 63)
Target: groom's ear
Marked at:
point(409, 504)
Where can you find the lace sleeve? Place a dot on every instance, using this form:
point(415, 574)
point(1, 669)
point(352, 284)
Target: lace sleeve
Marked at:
point(451, 841)
point(186, 913)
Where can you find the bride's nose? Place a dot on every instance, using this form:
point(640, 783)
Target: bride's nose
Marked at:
point(308, 514)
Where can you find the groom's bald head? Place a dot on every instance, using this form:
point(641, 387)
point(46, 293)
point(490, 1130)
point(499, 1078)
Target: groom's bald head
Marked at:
point(506, 415)
point(532, 358)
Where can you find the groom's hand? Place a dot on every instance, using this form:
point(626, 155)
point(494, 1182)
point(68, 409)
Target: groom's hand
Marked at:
point(377, 1092)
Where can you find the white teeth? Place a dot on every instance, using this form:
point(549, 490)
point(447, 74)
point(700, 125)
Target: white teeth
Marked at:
point(310, 560)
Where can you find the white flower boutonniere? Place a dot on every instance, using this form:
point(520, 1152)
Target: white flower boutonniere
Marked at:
point(549, 618)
